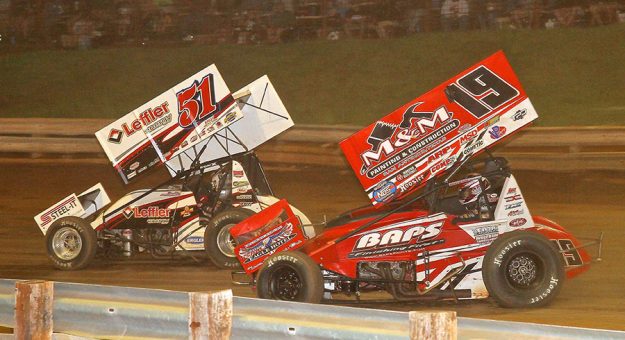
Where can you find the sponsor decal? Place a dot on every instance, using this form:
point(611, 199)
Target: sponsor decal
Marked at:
point(517, 222)
point(387, 139)
point(151, 119)
point(58, 211)
point(513, 198)
point(243, 197)
point(170, 193)
point(497, 132)
point(493, 121)
point(465, 127)
point(267, 243)
point(238, 184)
point(516, 212)
point(467, 137)
point(230, 117)
point(471, 148)
point(187, 211)
point(395, 240)
point(384, 191)
point(512, 206)
point(148, 212)
point(115, 136)
point(157, 220)
point(486, 235)
point(133, 166)
point(519, 114)
point(238, 173)
point(195, 240)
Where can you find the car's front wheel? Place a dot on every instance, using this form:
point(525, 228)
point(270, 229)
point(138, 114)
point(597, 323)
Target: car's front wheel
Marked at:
point(290, 276)
point(523, 269)
point(71, 243)
point(218, 243)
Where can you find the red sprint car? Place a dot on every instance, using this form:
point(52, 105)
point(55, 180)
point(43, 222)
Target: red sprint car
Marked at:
point(445, 224)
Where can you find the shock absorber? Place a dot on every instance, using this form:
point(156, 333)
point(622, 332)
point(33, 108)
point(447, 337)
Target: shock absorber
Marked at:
point(127, 245)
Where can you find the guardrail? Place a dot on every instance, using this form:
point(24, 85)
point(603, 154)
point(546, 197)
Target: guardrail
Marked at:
point(550, 148)
point(95, 311)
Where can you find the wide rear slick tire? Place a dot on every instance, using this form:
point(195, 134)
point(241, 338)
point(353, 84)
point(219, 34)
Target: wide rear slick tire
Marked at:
point(71, 243)
point(217, 240)
point(523, 269)
point(290, 276)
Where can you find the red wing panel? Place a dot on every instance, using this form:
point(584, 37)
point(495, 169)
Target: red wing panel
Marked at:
point(272, 230)
point(396, 155)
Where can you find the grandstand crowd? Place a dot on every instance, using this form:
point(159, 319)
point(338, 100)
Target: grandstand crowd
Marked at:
point(87, 24)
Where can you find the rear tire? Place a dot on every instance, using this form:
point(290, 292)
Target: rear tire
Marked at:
point(290, 276)
point(218, 243)
point(523, 269)
point(71, 243)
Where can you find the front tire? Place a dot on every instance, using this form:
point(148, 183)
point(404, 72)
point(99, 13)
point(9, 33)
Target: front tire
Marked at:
point(71, 243)
point(523, 269)
point(290, 276)
point(218, 243)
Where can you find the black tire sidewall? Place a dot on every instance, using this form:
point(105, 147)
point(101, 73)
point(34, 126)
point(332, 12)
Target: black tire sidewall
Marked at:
point(550, 265)
point(213, 227)
point(307, 270)
point(88, 239)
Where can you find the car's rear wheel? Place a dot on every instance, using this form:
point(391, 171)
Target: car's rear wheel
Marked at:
point(218, 243)
point(71, 243)
point(290, 276)
point(523, 269)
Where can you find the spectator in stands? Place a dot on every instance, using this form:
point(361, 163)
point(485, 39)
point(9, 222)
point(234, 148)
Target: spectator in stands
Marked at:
point(281, 26)
point(342, 8)
point(356, 22)
point(414, 14)
point(520, 14)
point(567, 12)
point(493, 11)
point(455, 15)
point(603, 13)
point(386, 19)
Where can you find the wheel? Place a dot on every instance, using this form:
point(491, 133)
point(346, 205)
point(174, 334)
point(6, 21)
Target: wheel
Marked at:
point(523, 269)
point(291, 276)
point(71, 243)
point(218, 243)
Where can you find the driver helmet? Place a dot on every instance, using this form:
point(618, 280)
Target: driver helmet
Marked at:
point(471, 189)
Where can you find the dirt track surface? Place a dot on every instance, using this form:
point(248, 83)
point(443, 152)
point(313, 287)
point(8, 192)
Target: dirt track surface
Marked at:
point(584, 203)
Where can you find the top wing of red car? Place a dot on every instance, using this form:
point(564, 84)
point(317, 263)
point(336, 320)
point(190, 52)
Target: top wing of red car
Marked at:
point(397, 154)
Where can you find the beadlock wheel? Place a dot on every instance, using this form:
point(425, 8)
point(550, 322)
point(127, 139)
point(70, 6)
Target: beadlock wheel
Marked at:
point(66, 243)
point(225, 242)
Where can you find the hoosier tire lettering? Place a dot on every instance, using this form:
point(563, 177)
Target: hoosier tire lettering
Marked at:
point(71, 243)
point(290, 276)
point(523, 269)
